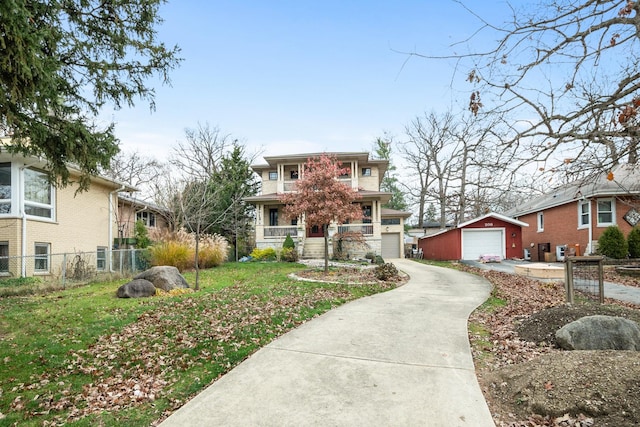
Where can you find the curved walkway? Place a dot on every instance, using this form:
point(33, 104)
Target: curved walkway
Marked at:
point(400, 358)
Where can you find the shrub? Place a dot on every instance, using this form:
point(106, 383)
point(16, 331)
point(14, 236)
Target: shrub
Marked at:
point(142, 235)
point(212, 250)
point(386, 271)
point(289, 255)
point(266, 254)
point(173, 253)
point(288, 243)
point(379, 260)
point(370, 256)
point(634, 242)
point(612, 243)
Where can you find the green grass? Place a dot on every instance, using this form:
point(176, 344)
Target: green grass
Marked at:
point(62, 353)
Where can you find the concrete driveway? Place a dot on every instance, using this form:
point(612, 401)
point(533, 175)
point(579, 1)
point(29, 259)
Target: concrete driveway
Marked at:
point(400, 358)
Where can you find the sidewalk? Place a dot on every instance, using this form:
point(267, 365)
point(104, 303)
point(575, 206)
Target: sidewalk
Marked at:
point(400, 358)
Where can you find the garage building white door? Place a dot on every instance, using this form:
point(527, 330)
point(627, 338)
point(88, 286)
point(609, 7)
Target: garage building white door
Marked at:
point(482, 242)
point(390, 245)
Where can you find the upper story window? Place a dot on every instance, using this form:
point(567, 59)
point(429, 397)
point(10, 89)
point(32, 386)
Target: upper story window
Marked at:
point(606, 212)
point(390, 221)
point(584, 214)
point(273, 176)
point(38, 194)
point(366, 171)
point(294, 174)
point(5, 188)
point(148, 218)
point(540, 221)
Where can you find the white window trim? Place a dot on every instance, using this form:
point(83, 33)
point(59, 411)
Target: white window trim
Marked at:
point(101, 255)
point(613, 212)
point(47, 256)
point(580, 204)
point(35, 204)
point(540, 221)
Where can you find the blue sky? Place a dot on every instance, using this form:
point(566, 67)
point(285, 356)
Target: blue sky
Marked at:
point(302, 76)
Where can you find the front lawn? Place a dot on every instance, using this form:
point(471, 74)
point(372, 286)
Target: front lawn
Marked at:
point(84, 357)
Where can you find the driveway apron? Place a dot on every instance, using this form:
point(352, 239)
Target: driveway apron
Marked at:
point(400, 358)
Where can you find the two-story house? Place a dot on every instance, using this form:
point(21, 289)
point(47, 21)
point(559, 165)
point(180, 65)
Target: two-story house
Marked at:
point(572, 217)
point(382, 228)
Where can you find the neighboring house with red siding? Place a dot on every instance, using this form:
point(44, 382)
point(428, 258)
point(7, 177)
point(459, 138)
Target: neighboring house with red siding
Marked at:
point(491, 234)
point(575, 215)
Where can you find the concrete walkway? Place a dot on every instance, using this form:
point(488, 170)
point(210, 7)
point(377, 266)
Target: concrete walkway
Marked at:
point(400, 358)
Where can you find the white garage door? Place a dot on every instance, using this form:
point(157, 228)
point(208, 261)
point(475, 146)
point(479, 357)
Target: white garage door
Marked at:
point(482, 242)
point(390, 245)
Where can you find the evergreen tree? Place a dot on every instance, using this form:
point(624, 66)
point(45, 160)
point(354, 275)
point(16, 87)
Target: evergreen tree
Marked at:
point(61, 62)
point(382, 148)
point(234, 182)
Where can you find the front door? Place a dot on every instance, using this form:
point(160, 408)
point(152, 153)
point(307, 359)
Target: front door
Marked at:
point(315, 231)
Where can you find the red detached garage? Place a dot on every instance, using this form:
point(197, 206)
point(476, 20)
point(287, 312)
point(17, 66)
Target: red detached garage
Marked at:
point(492, 234)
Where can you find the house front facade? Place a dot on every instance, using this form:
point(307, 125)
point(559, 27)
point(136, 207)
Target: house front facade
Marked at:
point(38, 219)
point(382, 228)
point(570, 219)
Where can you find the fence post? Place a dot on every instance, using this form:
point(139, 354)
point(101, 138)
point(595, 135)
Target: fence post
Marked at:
point(569, 280)
point(601, 279)
point(64, 271)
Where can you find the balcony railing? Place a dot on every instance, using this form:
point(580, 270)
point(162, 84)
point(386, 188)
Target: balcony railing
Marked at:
point(366, 229)
point(281, 231)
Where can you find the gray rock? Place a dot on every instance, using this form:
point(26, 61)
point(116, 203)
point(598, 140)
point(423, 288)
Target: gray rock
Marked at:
point(164, 277)
point(137, 288)
point(600, 333)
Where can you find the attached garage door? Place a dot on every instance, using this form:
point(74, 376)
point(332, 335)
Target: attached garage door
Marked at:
point(482, 242)
point(391, 245)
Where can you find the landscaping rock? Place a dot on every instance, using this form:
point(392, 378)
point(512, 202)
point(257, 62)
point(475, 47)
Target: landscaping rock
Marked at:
point(137, 288)
point(599, 333)
point(164, 277)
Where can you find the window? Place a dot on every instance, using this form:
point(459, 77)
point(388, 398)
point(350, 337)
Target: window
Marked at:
point(5, 188)
point(148, 218)
point(294, 221)
point(273, 176)
point(540, 221)
point(390, 221)
point(101, 258)
point(4, 257)
point(273, 217)
point(606, 212)
point(584, 214)
point(346, 173)
point(42, 257)
point(366, 171)
point(294, 174)
point(37, 194)
point(366, 214)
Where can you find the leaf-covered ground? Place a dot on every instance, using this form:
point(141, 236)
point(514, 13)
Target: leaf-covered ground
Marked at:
point(528, 381)
point(141, 372)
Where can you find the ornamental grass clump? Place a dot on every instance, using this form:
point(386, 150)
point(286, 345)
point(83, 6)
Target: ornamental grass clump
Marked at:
point(178, 249)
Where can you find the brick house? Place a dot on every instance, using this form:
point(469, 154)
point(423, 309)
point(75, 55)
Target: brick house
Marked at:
point(572, 217)
point(383, 229)
point(38, 219)
point(131, 210)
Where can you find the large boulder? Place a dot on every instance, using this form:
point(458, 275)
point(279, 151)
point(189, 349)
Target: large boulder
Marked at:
point(599, 333)
point(137, 288)
point(164, 277)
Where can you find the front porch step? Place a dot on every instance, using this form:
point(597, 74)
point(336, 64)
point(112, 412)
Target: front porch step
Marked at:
point(313, 248)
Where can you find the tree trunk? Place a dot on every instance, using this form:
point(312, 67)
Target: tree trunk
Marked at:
point(325, 231)
point(197, 263)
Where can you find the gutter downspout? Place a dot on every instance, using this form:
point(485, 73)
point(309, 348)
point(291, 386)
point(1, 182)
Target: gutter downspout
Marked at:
point(110, 231)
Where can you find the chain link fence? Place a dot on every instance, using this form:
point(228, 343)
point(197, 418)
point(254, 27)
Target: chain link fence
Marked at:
point(59, 271)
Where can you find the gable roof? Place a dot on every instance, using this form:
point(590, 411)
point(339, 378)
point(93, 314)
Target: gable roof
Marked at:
point(626, 181)
point(481, 218)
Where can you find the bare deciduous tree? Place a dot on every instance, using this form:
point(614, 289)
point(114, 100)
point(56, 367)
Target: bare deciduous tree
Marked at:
point(565, 76)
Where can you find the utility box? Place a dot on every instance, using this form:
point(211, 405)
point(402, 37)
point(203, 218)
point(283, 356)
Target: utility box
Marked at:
point(560, 252)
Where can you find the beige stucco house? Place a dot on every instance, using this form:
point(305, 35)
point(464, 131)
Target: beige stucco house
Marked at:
point(382, 228)
point(38, 220)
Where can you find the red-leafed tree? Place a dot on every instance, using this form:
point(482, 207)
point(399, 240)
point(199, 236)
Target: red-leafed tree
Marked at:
point(321, 198)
